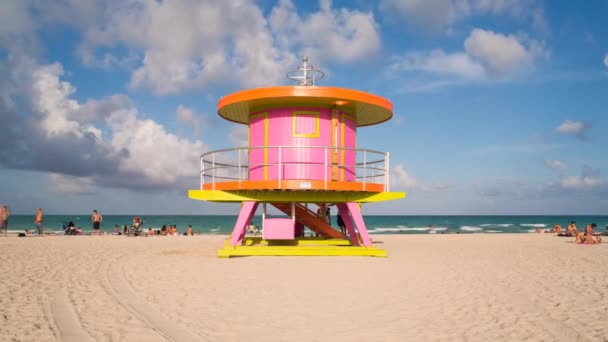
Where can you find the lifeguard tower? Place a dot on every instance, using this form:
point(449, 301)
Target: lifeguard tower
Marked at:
point(302, 156)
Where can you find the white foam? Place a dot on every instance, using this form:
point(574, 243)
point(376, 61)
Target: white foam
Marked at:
point(539, 225)
point(496, 225)
point(214, 230)
point(470, 228)
point(492, 231)
point(400, 229)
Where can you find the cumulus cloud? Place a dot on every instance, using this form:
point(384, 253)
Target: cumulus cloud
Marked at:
point(335, 34)
point(555, 164)
point(191, 118)
point(577, 128)
point(101, 142)
point(487, 56)
point(401, 179)
point(502, 54)
point(179, 46)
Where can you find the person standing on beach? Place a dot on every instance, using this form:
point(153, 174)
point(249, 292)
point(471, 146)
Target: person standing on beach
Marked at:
point(96, 218)
point(38, 221)
point(4, 214)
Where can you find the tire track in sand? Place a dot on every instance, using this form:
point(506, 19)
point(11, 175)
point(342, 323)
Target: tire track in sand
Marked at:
point(66, 320)
point(62, 311)
point(113, 280)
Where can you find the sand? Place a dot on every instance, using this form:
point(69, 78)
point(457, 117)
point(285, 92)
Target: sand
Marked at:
point(479, 287)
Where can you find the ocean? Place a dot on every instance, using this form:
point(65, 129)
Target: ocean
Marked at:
point(223, 224)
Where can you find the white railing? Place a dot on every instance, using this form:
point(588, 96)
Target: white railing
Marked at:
point(230, 165)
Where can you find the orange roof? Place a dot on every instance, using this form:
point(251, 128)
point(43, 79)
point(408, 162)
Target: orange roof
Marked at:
point(368, 109)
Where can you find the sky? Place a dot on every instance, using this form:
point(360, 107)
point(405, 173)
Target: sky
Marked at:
point(500, 106)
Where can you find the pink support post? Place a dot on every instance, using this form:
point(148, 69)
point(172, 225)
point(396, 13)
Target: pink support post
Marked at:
point(240, 227)
point(343, 212)
point(358, 219)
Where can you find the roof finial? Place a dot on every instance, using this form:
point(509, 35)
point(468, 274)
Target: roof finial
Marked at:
point(308, 74)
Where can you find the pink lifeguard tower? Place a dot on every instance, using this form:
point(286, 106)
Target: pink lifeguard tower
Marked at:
point(302, 155)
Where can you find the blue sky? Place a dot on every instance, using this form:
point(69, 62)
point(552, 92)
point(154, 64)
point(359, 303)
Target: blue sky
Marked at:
point(500, 106)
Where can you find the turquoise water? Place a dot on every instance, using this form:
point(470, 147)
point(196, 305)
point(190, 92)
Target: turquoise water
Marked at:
point(376, 224)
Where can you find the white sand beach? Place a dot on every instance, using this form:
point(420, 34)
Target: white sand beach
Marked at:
point(478, 287)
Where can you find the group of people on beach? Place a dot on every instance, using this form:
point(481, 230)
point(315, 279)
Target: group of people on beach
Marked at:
point(324, 213)
point(96, 222)
point(589, 236)
point(169, 230)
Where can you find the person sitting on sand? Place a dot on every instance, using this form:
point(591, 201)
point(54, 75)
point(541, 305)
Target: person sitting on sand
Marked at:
point(571, 230)
point(163, 230)
point(557, 228)
point(189, 230)
point(151, 231)
point(589, 236)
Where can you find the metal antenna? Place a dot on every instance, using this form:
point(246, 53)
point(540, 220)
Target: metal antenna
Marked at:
point(306, 74)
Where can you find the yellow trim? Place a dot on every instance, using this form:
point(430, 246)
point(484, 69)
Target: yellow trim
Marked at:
point(301, 241)
point(316, 134)
point(292, 196)
point(228, 252)
point(266, 139)
point(352, 118)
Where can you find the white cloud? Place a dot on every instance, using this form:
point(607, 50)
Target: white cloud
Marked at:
point(440, 15)
point(555, 164)
point(334, 34)
point(437, 61)
point(512, 7)
point(71, 184)
point(589, 179)
point(401, 179)
point(606, 60)
point(487, 56)
point(161, 157)
point(186, 45)
point(432, 15)
point(104, 142)
point(191, 118)
point(576, 128)
point(588, 183)
point(501, 54)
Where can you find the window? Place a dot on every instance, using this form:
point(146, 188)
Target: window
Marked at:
point(306, 124)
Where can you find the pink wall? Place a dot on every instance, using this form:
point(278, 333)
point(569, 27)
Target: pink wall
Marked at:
point(350, 140)
point(309, 161)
